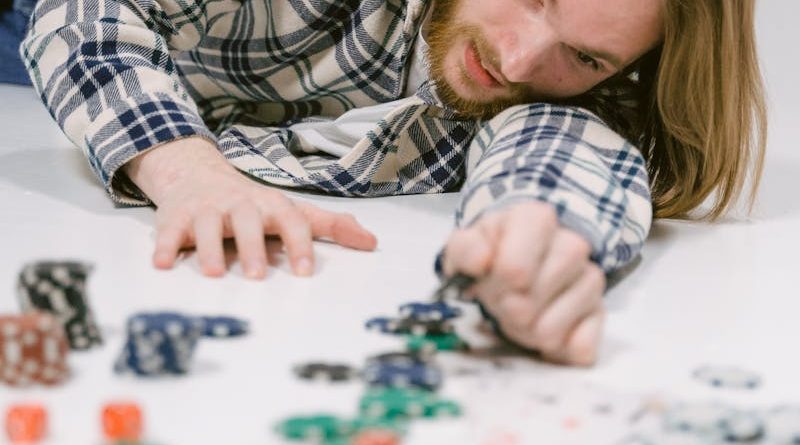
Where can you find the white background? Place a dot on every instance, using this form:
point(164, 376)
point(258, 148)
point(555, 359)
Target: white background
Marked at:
point(724, 293)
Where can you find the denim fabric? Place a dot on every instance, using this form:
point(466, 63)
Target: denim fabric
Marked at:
point(14, 17)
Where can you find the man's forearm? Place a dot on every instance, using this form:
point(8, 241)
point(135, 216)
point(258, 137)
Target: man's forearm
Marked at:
point(566, 157)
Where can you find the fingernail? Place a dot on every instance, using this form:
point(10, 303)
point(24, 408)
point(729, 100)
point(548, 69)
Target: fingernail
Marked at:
point(254, 269)
point(304, 267)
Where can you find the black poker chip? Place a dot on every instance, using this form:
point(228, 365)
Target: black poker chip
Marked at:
point(326, 372)
point(59, 287)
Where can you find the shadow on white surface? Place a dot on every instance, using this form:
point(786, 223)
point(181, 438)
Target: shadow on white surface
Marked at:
point(62, 175)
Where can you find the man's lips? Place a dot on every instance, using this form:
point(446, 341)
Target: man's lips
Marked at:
point(476, 70)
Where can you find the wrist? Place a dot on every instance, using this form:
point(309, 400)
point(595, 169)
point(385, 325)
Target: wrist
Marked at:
point(158, 169)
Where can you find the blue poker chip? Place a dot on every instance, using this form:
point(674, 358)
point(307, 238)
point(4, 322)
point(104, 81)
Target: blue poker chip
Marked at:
point(159, 343)
point(430, 311)
point(224, 326)
point(403, 375)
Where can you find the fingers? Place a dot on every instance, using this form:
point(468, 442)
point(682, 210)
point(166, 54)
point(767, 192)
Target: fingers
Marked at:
point(526, 238)
point(564, 313)
point(248, 232)
point(469, 251)
point(208, 234)
point(169, 240)
point(583, 345)
point(295, 232)
point(341, 228)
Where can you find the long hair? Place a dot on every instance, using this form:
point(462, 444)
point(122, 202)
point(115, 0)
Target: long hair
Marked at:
point(704, 124)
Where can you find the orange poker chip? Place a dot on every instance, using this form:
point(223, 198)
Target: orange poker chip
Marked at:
point(122, 421)
point(26, 423)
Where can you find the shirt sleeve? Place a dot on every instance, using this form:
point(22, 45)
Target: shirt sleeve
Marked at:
point(566, 156)
point(104, 71)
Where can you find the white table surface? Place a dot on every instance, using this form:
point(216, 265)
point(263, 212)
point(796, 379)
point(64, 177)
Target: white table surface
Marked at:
point(723, 293)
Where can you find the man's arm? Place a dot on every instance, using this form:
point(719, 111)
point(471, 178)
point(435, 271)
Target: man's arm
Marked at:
point(553, 199)
point(566, 157)
point(103, 69)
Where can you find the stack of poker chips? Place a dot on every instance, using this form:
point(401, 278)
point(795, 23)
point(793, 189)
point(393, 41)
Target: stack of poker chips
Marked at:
point(33, 349)
point(162, 343)
point(159, 343)
point(59, 287)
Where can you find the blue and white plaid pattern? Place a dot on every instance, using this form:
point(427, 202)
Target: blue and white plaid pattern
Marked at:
point(123, 76)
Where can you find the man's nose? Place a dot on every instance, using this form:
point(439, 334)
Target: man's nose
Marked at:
point(522, 54)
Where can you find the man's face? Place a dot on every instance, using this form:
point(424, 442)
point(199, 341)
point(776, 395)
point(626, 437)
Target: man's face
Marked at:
point(487, 55)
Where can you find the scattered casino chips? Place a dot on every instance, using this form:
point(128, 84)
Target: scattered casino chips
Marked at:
point(392, 403)
point(33, 349)
point(159, 343)
point(425, 311)
point(224, 327)
point(59, 287)
point(404, 326)
point(376, 437)
point(326, 428)
point(162, 343)
point(328, 372)
point(727, 377)
point(742, 426)
point(26, 423)
point(403, 375)
point(704, 419)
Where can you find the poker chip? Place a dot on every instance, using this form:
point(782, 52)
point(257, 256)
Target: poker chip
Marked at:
point(399, 326)
point(33, 349)
point(159, 343)
point(425, 311)
point(394, 403)
point(740, 426)
point(403, 375)
point(703, 418)
point(328, 372)
point(224, 327)
point(59, 287)
point(727, 377)
point(26, 423)
point(783, 425)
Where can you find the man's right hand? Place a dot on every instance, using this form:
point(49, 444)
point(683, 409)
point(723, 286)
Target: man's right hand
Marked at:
point(202, 199)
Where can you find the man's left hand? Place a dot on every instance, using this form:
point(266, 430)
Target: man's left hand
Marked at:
point(535, 278)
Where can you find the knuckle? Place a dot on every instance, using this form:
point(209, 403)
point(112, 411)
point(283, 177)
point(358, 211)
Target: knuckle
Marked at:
point(596, 277)
point(514, 275)
point(548, 335)
point(576, 246)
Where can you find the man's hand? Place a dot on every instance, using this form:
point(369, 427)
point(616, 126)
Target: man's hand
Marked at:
point(536, 278)
point(202, 200)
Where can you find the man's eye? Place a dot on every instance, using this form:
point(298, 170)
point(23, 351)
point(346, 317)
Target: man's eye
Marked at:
point(588, 61)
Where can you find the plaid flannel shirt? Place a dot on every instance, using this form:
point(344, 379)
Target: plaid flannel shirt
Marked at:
point(123, 76)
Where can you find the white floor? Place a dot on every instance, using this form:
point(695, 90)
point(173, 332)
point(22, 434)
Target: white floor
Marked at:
point(724, 294)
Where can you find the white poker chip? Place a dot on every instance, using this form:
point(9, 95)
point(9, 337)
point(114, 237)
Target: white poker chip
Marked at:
point(727, 377)
point(742, 426)
point(783, 425)
point(664, 439)
point(704, 418)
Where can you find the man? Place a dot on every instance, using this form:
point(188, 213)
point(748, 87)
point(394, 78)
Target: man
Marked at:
point(172, 99)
